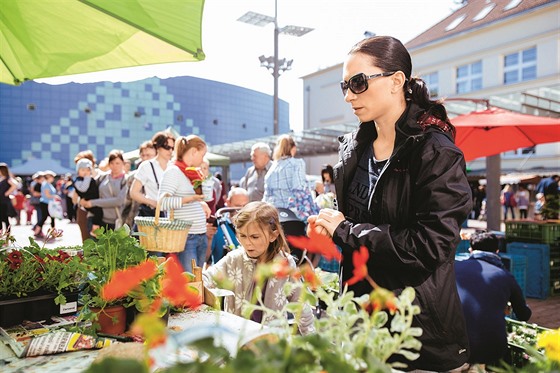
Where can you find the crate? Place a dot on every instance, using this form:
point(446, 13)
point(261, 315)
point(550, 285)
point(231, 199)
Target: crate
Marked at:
point(518, 268)
point(519, 335)
point(538, 267)
point(463, 247)
point(533, 231)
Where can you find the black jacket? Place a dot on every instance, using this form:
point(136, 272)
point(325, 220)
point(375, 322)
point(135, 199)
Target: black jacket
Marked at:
point(417, 207)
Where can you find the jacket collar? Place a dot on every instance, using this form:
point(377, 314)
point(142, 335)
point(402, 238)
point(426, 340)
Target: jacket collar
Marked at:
point(488, 257)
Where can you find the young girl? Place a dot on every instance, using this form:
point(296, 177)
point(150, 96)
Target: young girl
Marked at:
point(260, 234)
point(181, 197)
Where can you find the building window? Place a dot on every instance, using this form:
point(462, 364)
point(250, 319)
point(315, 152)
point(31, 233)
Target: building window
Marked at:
point(520, 66)
point(432, 81)
point(469, 77)
point(484, 12)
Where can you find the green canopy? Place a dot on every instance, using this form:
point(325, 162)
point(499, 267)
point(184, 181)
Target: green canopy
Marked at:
point(47, 38)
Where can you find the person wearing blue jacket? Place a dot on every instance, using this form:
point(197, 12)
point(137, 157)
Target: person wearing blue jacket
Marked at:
point(485, 288)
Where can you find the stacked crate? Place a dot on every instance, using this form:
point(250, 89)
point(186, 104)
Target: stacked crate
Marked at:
point(535, 235)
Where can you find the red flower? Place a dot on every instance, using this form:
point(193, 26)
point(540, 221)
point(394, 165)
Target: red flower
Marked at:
point(125, 280)
point(15, 258)
point(63, 256)
point(359, 259)
point(176, 286)
point(281, 268)
point(316, 243)
point(309, 276)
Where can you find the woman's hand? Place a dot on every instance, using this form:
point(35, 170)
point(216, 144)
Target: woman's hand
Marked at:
point(85, 204)
point(326, 222)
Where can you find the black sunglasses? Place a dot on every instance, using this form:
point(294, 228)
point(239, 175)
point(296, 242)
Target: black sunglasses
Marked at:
point(358, 83)
point(167, 147)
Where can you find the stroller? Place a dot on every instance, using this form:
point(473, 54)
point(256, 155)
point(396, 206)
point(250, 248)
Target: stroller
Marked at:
point(291, 225)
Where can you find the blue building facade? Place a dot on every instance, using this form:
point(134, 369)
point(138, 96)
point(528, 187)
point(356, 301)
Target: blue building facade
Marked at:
point(41, 121)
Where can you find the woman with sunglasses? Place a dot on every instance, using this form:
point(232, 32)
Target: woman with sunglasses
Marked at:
point(147, 178)
point(402, 192)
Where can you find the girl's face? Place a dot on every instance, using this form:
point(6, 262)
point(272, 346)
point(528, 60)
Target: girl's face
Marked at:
point(255, 240)
point(378, 99)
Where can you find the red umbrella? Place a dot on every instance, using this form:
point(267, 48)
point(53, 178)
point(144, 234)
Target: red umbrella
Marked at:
point(493, 131)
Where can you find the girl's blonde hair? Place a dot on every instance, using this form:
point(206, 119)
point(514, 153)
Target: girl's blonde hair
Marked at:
point(283, 147)
point(266, 216)
point(184, 143)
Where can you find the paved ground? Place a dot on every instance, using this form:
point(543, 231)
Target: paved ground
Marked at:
point(71, 234)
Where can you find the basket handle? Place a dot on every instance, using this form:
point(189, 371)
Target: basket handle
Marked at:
point(158, 208)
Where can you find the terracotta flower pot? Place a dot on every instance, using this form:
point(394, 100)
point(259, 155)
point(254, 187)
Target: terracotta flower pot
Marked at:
point(111, 319)
point(198, 190)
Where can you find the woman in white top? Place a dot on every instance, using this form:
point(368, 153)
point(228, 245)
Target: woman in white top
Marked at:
point(181, 197)
point(150, 173)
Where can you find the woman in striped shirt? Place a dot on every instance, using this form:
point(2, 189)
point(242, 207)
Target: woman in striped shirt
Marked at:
point(181, 197)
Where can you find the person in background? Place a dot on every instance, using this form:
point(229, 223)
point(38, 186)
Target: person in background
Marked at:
point(216, 192)
point(131, 207)
point(68, 191)
point(507, 199)
point(35, 192)
point(87, 189)
point(262, 238)
point(147, 179)
point(402, 192)
point(522, 197)
point(48, 194)
point(223, 196)
point(28, 209)
point(253, 181)
point(285, 184)
point(550, 189)
point(485, 288)
point(325, 192)
point(81, 213)
point(7, 186)
point(176, 193)
point(237, 198)
point(327, 175)
point(112, 192)
point(539, 203)
point(19, 205)
point(478, 197)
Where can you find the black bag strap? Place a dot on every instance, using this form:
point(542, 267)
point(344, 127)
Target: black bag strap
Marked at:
point(154, 171)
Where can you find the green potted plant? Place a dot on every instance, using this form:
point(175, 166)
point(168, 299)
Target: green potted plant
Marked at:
point(112, 251)
point(34, 280)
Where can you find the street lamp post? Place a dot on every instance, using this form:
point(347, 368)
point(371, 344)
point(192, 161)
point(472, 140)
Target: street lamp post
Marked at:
point(273, 63)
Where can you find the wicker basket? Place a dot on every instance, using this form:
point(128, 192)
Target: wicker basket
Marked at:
point(165, 235)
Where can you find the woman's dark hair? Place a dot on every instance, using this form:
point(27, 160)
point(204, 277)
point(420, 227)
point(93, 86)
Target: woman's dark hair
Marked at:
point(160, 138)
point(389, 54)
point(327, 169)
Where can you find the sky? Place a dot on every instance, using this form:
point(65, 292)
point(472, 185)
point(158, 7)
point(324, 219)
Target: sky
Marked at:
point(232, 48)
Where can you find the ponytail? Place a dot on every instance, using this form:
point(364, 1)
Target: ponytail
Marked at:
point(416, 91)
